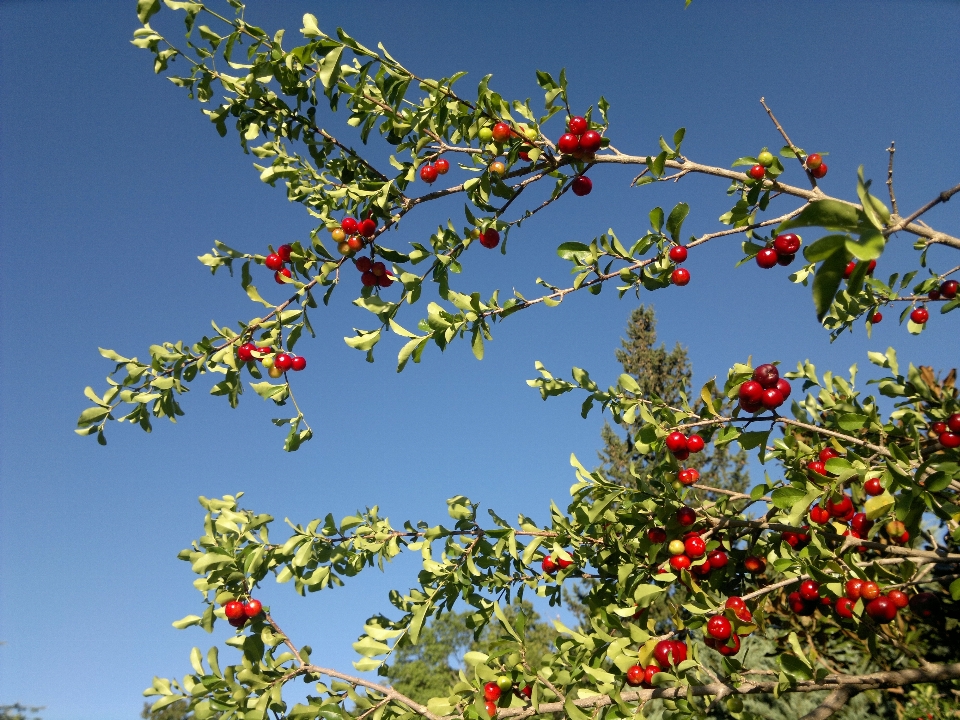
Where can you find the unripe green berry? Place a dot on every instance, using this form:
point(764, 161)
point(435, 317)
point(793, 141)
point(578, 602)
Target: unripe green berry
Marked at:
point(765, 158)
point(485, 134)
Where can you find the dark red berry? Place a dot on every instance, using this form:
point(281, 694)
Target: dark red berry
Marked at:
point(953, 423)
point(680, 277)
point(581, 185)
point(490, 238)
point(680, 562)
point(814, 160)
point(873, 487)
point(820, 171)
point(686, 516)
point(252, 608)
point(233, 610)
point(428, 173)
point(568, 143)
point(283, 362)
point(368, 227)
point(810, 590)
point(767, 258)
point(772, 399)
point(577, 125)
point(678, 253)
point(848, 270)
point(501, 132)
point(786, 244)
point(245, 352)
point(881, 609)
point(284, 252)
point(635, 675)
point(767, 375)
point(784, 260)
point(844, 608)
point(694, 443)
point(273, 261)
point(919, 315)
point(718, 559)
point(876, 317)
point(784, 387)
point(590, 141)
point(548, 565)
point(364, 263)
point(282, 273)
point(368, 279)
point(676, 441)
point(441, 166)
point(657, 535)
point(350, 225)
point(719, 627)
point(751, 392)
point(949, 289)
point(757, 172)
point(491, 691)
point(950, 440)
point(298, 363)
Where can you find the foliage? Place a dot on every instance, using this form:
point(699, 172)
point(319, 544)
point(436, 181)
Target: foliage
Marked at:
point(19, 712)
point(613, 534)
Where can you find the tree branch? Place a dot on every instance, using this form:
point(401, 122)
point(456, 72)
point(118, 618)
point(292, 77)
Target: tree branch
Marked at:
point(831, 703)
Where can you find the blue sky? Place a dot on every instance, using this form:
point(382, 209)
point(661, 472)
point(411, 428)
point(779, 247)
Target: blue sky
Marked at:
point(112, 182)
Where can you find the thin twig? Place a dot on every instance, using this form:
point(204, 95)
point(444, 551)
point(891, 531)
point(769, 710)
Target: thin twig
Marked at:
point(810, 177)
point(893, 198)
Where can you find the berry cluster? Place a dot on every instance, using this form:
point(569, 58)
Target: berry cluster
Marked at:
point(680, 276)
point(781, 252)
point(948, 433)
point(352, 235)
point(373, 273)
point(766, 390)
point(947, 289)
point(551, 566)
point(759, 171)
point(682, 445)
point(881, 607)
point(579, 141)
point(277, 362)
point(239, 612)
point(721, 633)
point(275, 261)
point(431, 171)
point(665, 654)
point(493, 691)
point(815, 165)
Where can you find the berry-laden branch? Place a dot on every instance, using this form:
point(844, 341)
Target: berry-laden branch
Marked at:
point(420, 119)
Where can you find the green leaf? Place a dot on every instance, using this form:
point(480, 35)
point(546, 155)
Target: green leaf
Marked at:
point(826, 282)
point(877, 506)
point(829, 214)
point(675, 221)
point(868, 247)
point(329, 71)
point(955, 589)
point(146, 9)
point(785, 497)
point(824, 247)
point(852, 421)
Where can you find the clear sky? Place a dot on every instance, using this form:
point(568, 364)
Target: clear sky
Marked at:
point(112, 182)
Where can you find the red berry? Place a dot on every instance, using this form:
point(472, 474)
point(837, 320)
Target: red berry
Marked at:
point(283, 362)
point(818, 467)
point(682, 455)
point(739, 608)
point(577, 125)
point(872, 486)
point(590, 141)
point(869, 590)
point(754, 565)
point(786, 244)
point(852, 588)
point(810, 590)
point(378, 269)
point(953, 423)
point(676, 441)
point(252, 608)
point(784, 260)
point(844, 608)
point(767, 258)
point(282, 272)
point(820, 171)
point(441, 166)
point(680, 276)
point(848, 270)
point(688, 476)
point(548, 565)
point(728, 650)
point(827, 453)
point(491, 707)
point(876, 317)
point(298, 363)
point(695, 547)
point(934, 294)
point(233, 610)
point(491, 691)
point(898, 598)
point(564, 563)
point(490, 238)
point(751, 392)
point(842, 509)
point(757, 172)
point(581, 185)
point(814, 160)
point(686, 516)
point(701, 571)
point(881, 610)
point(871, 266)
point(428, 173)
point(501, 132)
point(919, 315)
point(657, 535)
point(363, 263)
point(649, 672)
point(368, 279)
point(717, 559)
point(666, 652)
point(767, 375)
point(527, 692)
point(694, 443)
point(238, 622)
point(273, 262)
point(385, 280)
point(799, 606)
point(784, 387)
point(350, 225)
point(678, 253)
point(860, 524)
point(356, 243)
point(772, 398)
point(245, 352)
point(680, 562)
point(719, 627)
point(635, 676)
point(950, 440)
point(368, 227)
point(938, 428)
point(949, 289)
point(284, 252)
point(568, 143)
point(819, 515)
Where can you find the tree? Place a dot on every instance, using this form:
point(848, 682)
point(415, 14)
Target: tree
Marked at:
point(808, 572)
point(19, 712)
